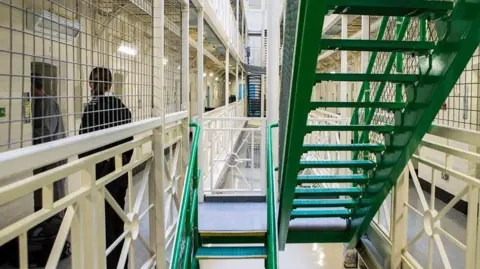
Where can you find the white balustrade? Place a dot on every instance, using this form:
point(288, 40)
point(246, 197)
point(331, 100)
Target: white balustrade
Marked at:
point(151, 198)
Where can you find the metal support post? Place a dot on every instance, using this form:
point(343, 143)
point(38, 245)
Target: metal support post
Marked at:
point(273, 62)
point(399, 219)
point(200, 98)
point(344, 86)
point(227, 76)
point(157, 225)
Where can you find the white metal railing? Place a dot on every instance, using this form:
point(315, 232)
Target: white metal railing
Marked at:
point(234, 154)
point(227, 19)
point(84, 205)
point(423, 231)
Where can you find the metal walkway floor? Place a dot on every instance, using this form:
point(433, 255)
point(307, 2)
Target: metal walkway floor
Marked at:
point(223, 217)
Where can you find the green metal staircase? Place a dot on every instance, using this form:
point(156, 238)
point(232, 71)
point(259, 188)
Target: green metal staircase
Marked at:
point(420, 52)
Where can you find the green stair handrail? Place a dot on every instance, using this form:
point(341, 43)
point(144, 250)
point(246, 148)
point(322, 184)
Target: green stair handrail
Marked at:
point(271, 220)
point(187, 225)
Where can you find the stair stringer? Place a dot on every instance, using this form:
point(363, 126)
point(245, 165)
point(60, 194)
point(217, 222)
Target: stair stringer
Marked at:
point(451, 55)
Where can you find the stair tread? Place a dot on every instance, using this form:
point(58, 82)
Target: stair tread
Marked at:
point(338, 164)
point(409, 8)
point(374, 128)
point(359, 77)
point(331, 179)
point(321, 213)
point(304, 203)
point(352, 191)
point(344, 147)
point(231, 253)
point(376, 45)
point(385, 105)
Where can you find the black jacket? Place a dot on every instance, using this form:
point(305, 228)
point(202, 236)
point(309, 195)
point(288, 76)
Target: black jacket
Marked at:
point(105, 112)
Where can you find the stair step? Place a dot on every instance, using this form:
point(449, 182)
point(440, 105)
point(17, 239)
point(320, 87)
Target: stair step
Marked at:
point(358, 179)
point(306, 203)
point(329, 213)
point(405, 8)
point(364, 164)
point(208, 253)
point(357, 77)
point(372, 128)
point(421, 47)
point(345, 147)
point(322, 192)
point(381, 105)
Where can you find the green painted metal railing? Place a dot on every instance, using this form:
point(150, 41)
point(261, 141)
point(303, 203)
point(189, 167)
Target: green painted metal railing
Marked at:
point(271, 220)
point(187, 238)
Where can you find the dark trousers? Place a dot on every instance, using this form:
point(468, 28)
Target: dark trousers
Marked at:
point(114, 225)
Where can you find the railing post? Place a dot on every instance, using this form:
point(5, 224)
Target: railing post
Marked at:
point(155, 187)
point(201, 107)
point(399, 213)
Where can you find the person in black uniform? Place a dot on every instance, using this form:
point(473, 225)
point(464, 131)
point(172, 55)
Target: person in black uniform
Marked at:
point(106, 111)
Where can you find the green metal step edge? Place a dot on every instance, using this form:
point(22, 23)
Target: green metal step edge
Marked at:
point(420, 47)
point(369, 128)
point(307, 179)
point(380, 105)
point(345, 147)
point(406, 8)
point(204, 253)
point(316, 192)
point(364, 164)
point(308, 203)
point(329, 213)
point(359, 77)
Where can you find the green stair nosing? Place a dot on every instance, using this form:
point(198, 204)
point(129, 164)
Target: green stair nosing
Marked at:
point(338, 164)
point(377, 45)
point(332, 179)
point(380, 105)
point(316, 192)
point(231, 253)
point(434, 9)
point(345, 147)
point(329, 128)
point(329, 213)
point(360, 77)
point(305, 203)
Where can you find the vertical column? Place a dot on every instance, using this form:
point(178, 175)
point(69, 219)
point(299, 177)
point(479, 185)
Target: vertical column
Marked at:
point(227, 76)
point(273, 48)
point(399, 219)
point(200, 98)
point(185, 57)
point(237, 33)
point(344, 87)
point(185, 150)
point(237, 86)
point(262, 94)
point(262, 34)
point(157, 225)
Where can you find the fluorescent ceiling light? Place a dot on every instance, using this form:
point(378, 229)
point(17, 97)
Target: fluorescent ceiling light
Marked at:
point(127, 50)
point(165, 61)
point(204, 74)
point(211, 74)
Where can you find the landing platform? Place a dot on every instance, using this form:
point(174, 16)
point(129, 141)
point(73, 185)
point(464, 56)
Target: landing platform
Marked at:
point(232, 217)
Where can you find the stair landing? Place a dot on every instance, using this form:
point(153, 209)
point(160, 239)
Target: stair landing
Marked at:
point(232, 217)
